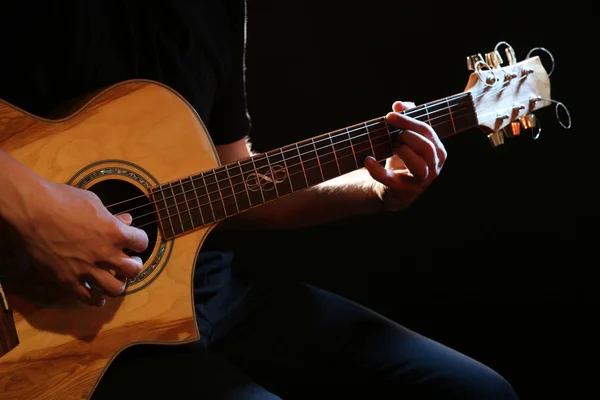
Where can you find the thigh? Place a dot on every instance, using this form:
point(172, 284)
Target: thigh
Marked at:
point(176, 372)
point(305, 340)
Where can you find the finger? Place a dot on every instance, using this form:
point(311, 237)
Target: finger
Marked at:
point(87, 294)
point(400, 106)
point(128, 267)
point(422, 151)
point(382, 175)
point(408, 123)
point(106, 282)
point(135, 239)
point(415, 164)
point(127, 219)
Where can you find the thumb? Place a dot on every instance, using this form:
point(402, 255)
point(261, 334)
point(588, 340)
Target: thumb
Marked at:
point(378, 172)
point(127, 219)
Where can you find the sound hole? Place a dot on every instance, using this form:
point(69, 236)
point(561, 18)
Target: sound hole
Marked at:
point(122, 197)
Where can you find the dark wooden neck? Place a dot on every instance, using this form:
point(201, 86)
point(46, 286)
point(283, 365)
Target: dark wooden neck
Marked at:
point(202, 199)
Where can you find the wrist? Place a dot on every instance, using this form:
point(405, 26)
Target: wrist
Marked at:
point(21, 191)
point(377, 198)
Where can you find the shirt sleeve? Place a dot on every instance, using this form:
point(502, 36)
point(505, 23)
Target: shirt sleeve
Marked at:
point(230, 119)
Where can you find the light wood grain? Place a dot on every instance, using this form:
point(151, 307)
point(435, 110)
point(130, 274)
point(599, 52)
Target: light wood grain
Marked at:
point(65, 346)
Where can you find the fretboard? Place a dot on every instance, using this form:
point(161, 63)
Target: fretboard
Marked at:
point(200, 200)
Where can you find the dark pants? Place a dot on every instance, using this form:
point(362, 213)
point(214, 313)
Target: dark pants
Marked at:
point(302, 343)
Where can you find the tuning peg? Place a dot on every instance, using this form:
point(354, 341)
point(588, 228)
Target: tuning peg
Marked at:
point(493, 59)
point(510, 55)
point(496, 138)
point(528, 121)
point(509, 51)
point(473, 60)
point(512, 130)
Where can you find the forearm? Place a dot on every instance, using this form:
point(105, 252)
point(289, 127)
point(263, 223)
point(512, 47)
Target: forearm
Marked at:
point(17, 185)
point(347, 196)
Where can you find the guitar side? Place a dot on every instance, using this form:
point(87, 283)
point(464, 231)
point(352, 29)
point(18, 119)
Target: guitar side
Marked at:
point(137, 134)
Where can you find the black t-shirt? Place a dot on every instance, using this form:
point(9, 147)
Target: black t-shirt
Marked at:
point(56, 51)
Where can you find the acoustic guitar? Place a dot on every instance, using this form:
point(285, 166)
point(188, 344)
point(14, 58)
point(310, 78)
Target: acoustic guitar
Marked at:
point(144, 150)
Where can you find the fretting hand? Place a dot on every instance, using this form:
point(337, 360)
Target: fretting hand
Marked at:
point(419, 156)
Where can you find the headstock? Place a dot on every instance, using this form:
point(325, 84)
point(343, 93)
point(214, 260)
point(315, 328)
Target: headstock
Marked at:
point(505, 97)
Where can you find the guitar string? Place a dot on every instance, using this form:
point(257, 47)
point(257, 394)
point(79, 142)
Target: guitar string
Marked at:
point(287, 166)
point(282, 163)
point(427, 113)
point(333, 135)
point(221, 200)
point(346, 132)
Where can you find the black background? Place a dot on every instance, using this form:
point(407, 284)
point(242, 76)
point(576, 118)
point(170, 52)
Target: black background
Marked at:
point(497, 258)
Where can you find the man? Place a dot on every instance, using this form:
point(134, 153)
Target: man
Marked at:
point(261, 339)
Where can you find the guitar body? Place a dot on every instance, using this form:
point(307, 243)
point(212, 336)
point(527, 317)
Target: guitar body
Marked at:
point(125, 140)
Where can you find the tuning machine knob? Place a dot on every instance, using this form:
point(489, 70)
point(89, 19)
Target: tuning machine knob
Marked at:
point(528, 121)
point(509, 51)
point(513, 129)
point(473, 60)
point(496, 138)
point(493, 59)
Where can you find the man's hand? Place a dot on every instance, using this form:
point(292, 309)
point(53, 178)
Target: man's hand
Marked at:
point(74, 239)
point(418, 160)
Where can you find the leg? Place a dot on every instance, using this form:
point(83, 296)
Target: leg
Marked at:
point(306, 340)
point(176, 372)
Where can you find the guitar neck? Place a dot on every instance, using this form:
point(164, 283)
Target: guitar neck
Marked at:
point(199, 200)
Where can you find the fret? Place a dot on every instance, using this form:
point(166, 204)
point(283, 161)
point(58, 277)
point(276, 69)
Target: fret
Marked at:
point(164, 217)
point(298, 179)
point(438, 117)
point(253, 191)
point(203, 198)
point(279, 172)
point(270, 173)
point(450, 113)
point(214, 196)
point(343, 150)
point(183, 207)
point(172, 203)
point(225, 189)
point(310, 162)
point(463, 113)
point(312, 141)
point(359, 138)
point(326, 156)
point(262, 178)
point(381, 141)
point(197, 214)
point(428, 115)
point(337, 162)
point(236, 176)
point(370, 141)
point(287, 171)
point(349, 144)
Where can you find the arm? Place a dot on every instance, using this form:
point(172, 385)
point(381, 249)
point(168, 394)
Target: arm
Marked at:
point(68, 233)
point(419, 157)
point(17, 183)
